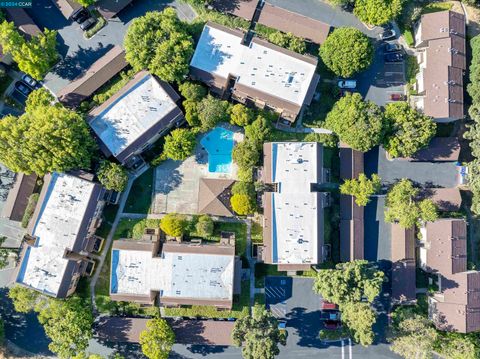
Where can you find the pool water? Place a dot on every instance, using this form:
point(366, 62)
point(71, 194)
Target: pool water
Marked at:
point(219, 145)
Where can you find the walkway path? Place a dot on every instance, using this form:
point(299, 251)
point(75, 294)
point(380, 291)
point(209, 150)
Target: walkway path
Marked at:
point(251, 262)
point(101, 258)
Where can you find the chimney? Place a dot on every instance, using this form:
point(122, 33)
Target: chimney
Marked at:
point(29, 240)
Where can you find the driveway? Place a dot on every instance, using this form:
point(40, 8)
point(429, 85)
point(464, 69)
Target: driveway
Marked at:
point(79, 53)
point(428, 174)
point(381, 79)
point(378, 244)
point(322, 11)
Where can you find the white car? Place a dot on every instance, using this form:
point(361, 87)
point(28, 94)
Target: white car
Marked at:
point(347, 84)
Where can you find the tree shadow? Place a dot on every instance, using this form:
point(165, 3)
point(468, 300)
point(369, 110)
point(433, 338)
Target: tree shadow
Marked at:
point(73, 65)
point(170, 178)
point(307, 325)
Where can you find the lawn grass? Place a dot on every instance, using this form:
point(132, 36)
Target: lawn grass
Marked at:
point(412, 69)
point(256, 233)
point(241, 304)
point(140, 197)
point(240, 230)
point(125, 228)
point(315, 114)
point(262, 270)
point(331, 227)
point(331, 160)
point(436, 6)
point(408, 36)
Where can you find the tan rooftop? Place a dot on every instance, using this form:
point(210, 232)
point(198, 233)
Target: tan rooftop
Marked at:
point(214, 196)
point(403, 264)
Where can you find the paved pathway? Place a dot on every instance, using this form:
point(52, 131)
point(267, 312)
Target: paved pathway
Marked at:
point(251, 262)
point(109, 239)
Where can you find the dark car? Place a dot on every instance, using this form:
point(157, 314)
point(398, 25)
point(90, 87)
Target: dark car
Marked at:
point(29, 81)
point(392, 47)
point(88, 24)
point(393, 57)
point(80, 15)
point(388, 34)
point(23, 88)
point(397, 97)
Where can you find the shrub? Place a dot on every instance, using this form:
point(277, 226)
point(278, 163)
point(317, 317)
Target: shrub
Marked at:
point(112, 176)
point(32, 203)
point(179, 144)
point(204, 226)
point(327, 139)
point(173, 224)
point(242, 204)
point(241, 115)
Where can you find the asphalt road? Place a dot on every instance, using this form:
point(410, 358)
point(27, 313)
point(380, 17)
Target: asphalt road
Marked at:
point(77, 52)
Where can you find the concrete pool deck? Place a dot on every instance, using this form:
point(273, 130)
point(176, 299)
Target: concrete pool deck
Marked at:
point(176, 183)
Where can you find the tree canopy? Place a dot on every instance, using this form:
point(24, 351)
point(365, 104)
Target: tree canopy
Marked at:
point(408, 129)
point(45, 139)
point(179, 144)
point(211, 111)
point(241, 115)
point(35, 56)
point(361, 188)
point(358, 123)
point(243, 204)
point(258, 132)
point(404, 208)
point(359, 318)
point(245, 154)
point(349, 282)
point(159, 42)
point(204, 226)
point(288, 41)
point(68, 323)
point(112, 176)
point(258, 333)
point(377, 12)
point(173, 224)
point(157, 340)
point(414, 338)
point(347, 51)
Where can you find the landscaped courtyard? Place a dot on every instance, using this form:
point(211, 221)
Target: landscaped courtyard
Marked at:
point(176, 186)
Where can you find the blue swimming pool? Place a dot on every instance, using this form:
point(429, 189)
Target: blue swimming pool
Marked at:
point(219, 145)
point(114, 280)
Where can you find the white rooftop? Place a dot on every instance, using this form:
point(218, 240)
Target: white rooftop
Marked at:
point(56, 229)
point(132, 114)
point(177, 275)
point(257, 66)
point(295, 208)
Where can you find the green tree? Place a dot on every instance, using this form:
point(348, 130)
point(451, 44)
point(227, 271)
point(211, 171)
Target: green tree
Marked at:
point(403, 207)
point(192, 91)
point(159, 42)
point(34, 57)
point(349, 282)
point(327, 139)
point(45, 139)
point(179, 144)
point(359, 318)
point(377, 12)
point(191, 112)
point(241, 115)
point(259, 335)
point(211, 111)
point(86, 3)
point(247, 188)
point(112, 176)
point(39, 98)
point(246, 154)
point(414, 338)
point(288, 41)
point(173, 224)
point(347, 51)
point(24, 299)
point(243, 204)
point(245, 174)
point(458, 346)
point(361, 188)
point(358, 123)
point(258, 132)
point(408, 129)
point(157, 340)
point(204, 226)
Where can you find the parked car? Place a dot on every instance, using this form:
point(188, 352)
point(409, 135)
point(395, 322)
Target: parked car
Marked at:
point(29, 81)
point(331, 319)
point(80, 15)
point(282, 325)
point(393, 57)
point(88, 24)
point(347, 84)
point(388, 34)
point(329, 306)
point(23, 88)
point(332, 324)
point(392, 47)
point(397, 97)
